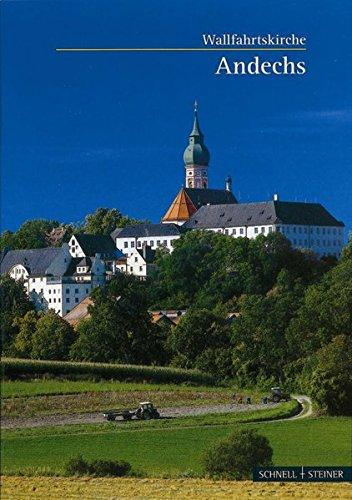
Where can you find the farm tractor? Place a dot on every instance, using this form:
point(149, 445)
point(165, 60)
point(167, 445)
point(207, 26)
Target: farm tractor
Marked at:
point(276, 395)
point(145, 411)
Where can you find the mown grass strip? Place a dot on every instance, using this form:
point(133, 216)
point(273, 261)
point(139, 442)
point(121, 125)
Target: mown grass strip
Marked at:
point(21, 368)
point(93, 488)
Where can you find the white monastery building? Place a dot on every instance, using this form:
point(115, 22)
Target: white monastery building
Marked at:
point(56, 279)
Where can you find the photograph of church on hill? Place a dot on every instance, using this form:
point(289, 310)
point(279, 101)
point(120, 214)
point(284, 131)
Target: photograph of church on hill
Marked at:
point(176, 249)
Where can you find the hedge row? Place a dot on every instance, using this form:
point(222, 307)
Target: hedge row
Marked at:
point(27, 368)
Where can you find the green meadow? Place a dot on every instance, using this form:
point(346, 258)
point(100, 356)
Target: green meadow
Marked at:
point(175, 446)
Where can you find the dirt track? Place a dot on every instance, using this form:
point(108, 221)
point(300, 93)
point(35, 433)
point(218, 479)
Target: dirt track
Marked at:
point(94, 418)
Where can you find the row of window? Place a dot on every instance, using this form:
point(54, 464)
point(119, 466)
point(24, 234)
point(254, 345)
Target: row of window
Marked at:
point(54, 291)
point(82, 269)
point(140, 268)
point(262, 229)
point(151, 243)
point(286, 230)
point(300, 229)
point(233, 231)
point(318, 243)
point(18, 271)
point(76, 290)
point(240, 231)
point(54, 300)
point(68, 300)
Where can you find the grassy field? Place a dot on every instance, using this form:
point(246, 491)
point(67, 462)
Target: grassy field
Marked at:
point(93, 488)
point(171, 449)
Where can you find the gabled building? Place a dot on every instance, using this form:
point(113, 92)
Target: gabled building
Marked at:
point(306, 225)
point(88, 246)
point(53, 278)
point(141, 262)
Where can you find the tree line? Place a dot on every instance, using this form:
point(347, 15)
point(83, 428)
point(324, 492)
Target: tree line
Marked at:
point(37, 233)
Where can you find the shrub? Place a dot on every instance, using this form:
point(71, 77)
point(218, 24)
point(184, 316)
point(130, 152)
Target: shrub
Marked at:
point(109, 468)
point(236, 456)
point(331, 382)
point(77, 466)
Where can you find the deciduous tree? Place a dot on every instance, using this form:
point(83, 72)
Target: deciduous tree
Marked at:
point(14, 303)
point(52, 338)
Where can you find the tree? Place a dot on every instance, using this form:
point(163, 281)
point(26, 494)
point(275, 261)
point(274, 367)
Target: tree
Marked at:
point(26, 327)
point(236, 456)
point(105, 220)
point(33, 233)
point(202, 340)
point(260, 345)
point(326, 311)
point(14, 303)
point(331, 381)
point(120, 328)
point(7, 240)
point(208, 268)
point(52, 338)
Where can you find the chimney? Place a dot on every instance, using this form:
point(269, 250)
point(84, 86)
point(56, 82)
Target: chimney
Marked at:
point(228, 183)
point(276, 197)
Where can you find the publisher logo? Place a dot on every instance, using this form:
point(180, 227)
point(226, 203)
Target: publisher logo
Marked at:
point(302, 474)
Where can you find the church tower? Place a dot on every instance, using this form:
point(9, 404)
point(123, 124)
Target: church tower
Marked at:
point(196, 157)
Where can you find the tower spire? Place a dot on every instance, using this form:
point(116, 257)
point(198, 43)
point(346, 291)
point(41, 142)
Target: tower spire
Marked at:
point(196, 156)
point(196, 128)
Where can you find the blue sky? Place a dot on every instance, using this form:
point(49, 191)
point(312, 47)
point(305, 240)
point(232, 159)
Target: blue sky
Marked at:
point(85, 130)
